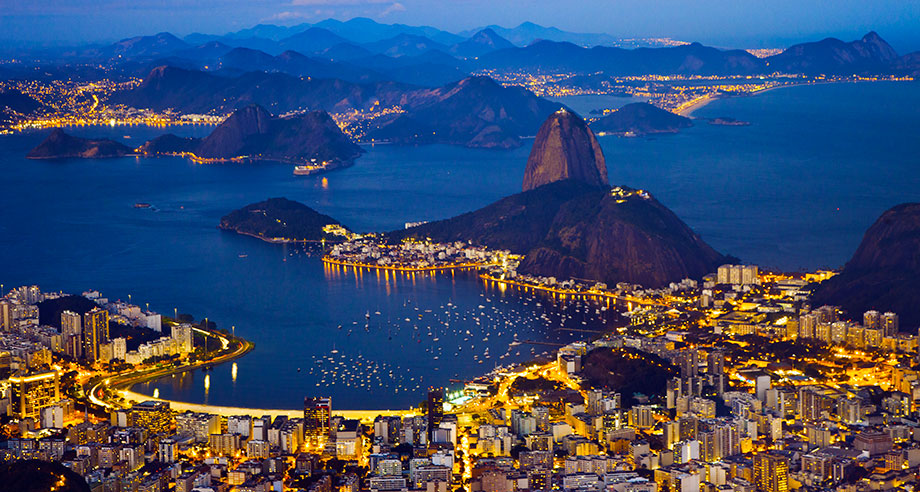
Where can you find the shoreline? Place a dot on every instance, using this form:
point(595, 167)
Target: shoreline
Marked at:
point(226, 411)
point(464, 266)
point(272, 240)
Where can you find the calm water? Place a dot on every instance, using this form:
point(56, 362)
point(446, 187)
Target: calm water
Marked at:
point(768, 193)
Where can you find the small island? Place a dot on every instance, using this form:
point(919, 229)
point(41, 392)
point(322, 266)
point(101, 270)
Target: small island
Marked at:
point(279, 220)
point(60, 145)
point(638, 119)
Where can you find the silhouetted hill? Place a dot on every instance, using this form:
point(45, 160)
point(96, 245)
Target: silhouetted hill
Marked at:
point(641, 119)
point(404, 45)
point(49, 313)
point(364, 30)
point(192, 91)
point(871, 54)
point(160, 44)
point(40, 476)
point(627, 371)
point(279, 220)
point(691, 59)
point(565, 148)
point(294, 63)
point(484, 41)
point(312, 40)
point(528, 32)
point(475, 112)
point(883, 273)
point(60, 145)
point(17, 101)
point(569, 229)
point(252, 132)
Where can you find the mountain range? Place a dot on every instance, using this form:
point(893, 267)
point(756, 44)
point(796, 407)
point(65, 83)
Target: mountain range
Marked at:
point(475, 112)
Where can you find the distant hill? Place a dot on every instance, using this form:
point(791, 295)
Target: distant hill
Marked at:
point(294, 63)
point(61, 145)
point(565, 148)
point(364, 30)
point(40, 476)
point(193, 91)
point(279, 220)
point(144, 46)
point(14, 105)
point(474, 112)
point(831, 56)
point(526, 33)
point(252, 132)
point(691, 59)
point(484, 41)
point(641, 119)
point(14, 100)
point(404, 45)
point(312, 40)
point(883, 273)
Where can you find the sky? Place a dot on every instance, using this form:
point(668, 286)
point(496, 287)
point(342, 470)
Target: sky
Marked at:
point(723, 23)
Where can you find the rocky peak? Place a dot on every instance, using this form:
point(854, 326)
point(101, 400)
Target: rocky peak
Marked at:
point(565, 148)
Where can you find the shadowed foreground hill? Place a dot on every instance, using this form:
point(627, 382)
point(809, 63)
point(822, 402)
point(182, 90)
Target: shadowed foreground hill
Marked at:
point(883, 273)
point(40, 476)
point(569, 229)
point(627, 371)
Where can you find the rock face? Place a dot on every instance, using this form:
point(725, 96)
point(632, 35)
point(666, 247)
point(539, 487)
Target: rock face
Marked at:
point(641, 119)
point(571, 229)
point(61, 145)
point(253, 133)
point(279, 220)
point(883, 273)
point(565, 148)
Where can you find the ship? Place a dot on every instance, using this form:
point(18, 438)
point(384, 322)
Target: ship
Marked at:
point(142, 205)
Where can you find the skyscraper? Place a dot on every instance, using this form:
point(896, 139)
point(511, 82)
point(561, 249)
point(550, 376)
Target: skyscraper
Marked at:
point(317, 416)
point(95, 332)
point(435, 409)
point(72, 334)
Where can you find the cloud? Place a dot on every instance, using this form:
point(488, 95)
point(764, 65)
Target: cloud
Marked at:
point(395, 7)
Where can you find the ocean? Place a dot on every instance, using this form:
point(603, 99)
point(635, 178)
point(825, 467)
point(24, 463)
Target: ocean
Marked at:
point(795, 189)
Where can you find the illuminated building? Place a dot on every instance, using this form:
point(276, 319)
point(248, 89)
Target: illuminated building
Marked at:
point(72, 330)
point(317, 416)
point(32, 393)
point(771, 472)
point(890, 323)
point(95, 332)
point(435, 409)
point(155, 416)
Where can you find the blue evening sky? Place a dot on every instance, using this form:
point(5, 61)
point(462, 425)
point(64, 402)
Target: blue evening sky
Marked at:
point(724, 23)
